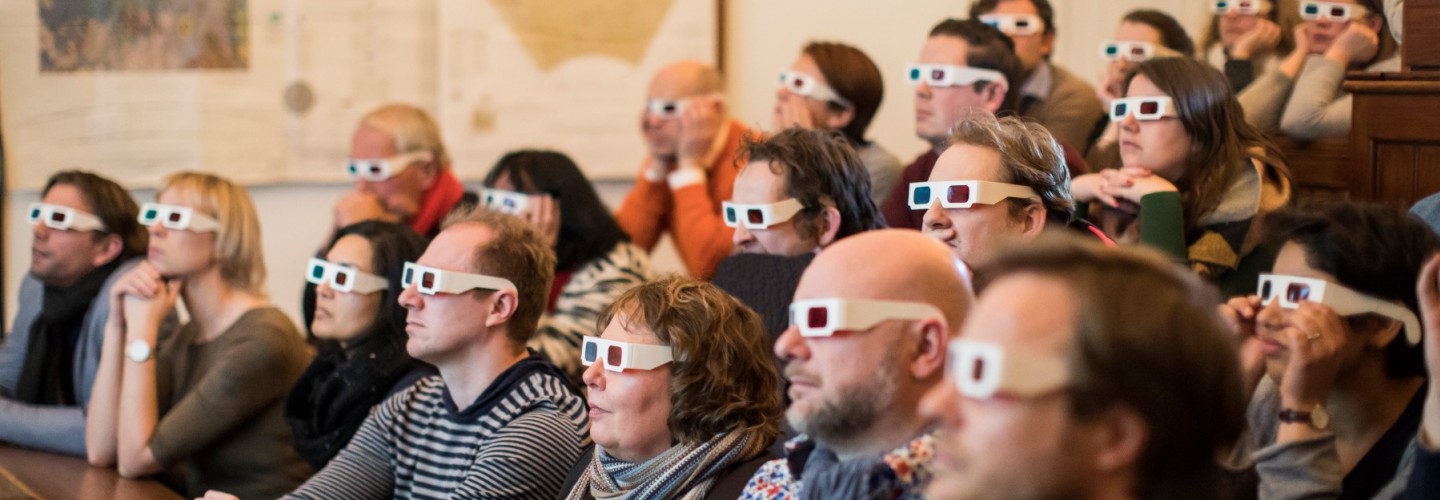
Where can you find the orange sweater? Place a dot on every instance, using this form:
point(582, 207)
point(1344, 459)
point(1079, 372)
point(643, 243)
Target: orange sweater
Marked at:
point(691, 213)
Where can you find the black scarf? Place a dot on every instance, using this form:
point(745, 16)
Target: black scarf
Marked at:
point(335, 394)
point(48, 377)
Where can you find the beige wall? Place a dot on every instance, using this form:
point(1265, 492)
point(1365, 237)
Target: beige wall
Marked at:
point(764, 36)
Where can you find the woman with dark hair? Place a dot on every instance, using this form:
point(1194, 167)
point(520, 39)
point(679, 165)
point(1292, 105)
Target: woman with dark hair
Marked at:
point(684, 396)
point(595, 261)
point(1247, 38)
point(1331, 346)
point(1195, 176)
point(1143, 34)
point(835, 86)
point(359, 326)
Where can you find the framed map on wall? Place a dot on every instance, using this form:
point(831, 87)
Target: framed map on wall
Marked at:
point(268, 91)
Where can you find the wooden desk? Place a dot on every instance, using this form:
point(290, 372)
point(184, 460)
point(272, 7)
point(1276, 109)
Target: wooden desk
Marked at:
point(34, 474)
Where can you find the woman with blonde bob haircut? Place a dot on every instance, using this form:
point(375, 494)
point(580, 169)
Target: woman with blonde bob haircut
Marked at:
point(202, 404)
point(684, 395)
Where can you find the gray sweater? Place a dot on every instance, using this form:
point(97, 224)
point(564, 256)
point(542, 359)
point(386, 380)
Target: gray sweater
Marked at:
point(58, 429)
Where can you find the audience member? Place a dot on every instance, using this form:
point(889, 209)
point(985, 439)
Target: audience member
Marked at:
point(360, 336)
point(1060, 100)
point(870, 322)
point(998, 179)
point(689, 170)
point(684, 401)
point(1340, 36)
point(1057, 390)
point(84, 236)
point(800, 191)
point(1143, 35)
point(402, 172)
point(595, 261)
point(1331, 347)
point(834, 86)
point(497, 421)
point(203, 404)
point(1195, 176)
point(963, 66)
point(1247, 38)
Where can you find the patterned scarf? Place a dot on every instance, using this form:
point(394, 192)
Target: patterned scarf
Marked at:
point(683, 471)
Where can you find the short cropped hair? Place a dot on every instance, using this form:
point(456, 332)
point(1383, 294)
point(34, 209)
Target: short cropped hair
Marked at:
point(819, 166)
point(1162, 351)
point(516, 253)
point(412, 130)
point(1029, 156)
point(724, 378)
point(237, 242)
point(989, 49)
point(854, 76)
point(111, 204)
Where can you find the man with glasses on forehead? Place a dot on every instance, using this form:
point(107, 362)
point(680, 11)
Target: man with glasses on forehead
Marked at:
point(507, 420)
point(1055, 389)
point(1061, 101)
point(401, 172)
point(869, 325)
point(85, 234)
point(690, 168)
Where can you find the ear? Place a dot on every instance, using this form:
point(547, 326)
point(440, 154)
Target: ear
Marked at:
point(1375, 22)
point(931, 341)
point(503, 308)
point(718, 102)
point(1034, 219)
point(1386, 334)
point(829, 225)
point(995, 96)
point(1118, 436)
point(838, 120)
point(430, 171)
point(1047, 45)
point(110, 247)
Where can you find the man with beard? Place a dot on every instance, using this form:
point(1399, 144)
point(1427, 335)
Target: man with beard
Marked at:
point(1086, 372)
point(869, 326)
point(85, 235)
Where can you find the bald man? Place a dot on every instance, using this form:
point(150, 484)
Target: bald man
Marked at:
point(869, 326)
point(689, 170)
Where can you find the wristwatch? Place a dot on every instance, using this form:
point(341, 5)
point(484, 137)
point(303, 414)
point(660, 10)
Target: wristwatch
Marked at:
point(138, 350)
point(1317, 418)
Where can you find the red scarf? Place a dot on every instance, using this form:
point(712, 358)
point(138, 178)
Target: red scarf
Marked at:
point(437, 201)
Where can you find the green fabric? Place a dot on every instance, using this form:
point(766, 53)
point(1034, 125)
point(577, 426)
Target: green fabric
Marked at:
point(1162, 224)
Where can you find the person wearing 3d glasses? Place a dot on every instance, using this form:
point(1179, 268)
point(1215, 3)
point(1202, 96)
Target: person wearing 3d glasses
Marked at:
point(689, 169)
point(84, 237)
point(999, 179)
point(360, 336)
point(1195, 176)
point(202, 405)
point(1247, 38)
point(869, 325)
point(1060, 100)
point(595, 261)
point(401, 171)
point(1055, 389)
point(1337, 36)
point(504, 419)
point(1143, 34)
point(1332, 347)
point(683, 396)
point(833, 86)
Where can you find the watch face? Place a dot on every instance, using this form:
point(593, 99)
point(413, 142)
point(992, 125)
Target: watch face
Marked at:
point(1319, 418)
point(138, 351)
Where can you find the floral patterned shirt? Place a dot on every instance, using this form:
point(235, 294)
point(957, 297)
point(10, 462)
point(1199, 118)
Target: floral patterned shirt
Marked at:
point(899, 474)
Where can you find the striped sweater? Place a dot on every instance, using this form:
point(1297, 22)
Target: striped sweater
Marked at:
point(517, 441)
point(590, 290)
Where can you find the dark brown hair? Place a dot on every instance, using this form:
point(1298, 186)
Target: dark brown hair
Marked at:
point(1148, 337)
point(723, 378)
point(819, 166)
point(1172, 34)
point(989, 49)
point(1042, 9)
point(111, 204)
point(854, 76)
point(516, 253)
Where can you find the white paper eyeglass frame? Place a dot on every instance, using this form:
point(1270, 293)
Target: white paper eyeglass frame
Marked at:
point(190, 220)
point(1009, 24)
point(382, 169)
point(451, 282)
point(360, 282)
point(770, 213)
point(1257, 7)
point(666, 108)
point(810, 87)
point(954, 75)
point(982, 192)
point(982, 370)
point(75, 219)
point(633, 356)
point(510, 202)
point(1344, 301)
point(857, 314)
point(1132, 107)
point(1123, 51)
point(1323, 10)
